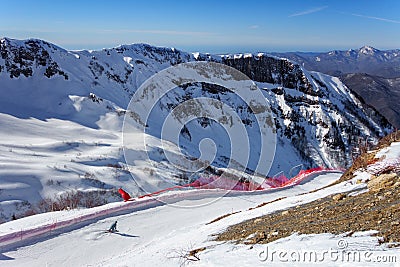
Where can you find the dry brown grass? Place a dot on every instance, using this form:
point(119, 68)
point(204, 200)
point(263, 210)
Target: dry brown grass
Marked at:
point(222, 217)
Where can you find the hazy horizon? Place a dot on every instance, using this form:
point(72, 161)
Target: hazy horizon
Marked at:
point(221, 27)
point(215, 50)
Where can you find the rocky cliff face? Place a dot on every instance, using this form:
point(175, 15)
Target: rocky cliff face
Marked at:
point(315, 113)
point(268, 69)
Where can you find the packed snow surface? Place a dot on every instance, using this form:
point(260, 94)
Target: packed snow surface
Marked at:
point(155, 235)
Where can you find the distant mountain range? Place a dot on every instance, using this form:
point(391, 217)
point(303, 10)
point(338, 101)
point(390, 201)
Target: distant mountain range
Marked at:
point(371, 73)
point(363, 60)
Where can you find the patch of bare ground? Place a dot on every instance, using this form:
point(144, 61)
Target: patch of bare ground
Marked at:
point(341, 213)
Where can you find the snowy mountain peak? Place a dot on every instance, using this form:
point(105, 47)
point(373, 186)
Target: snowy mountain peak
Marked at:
point(32, 42)
point(368, 50)
point(365, 50)
point(24, 57)
point(142, 47)
point(155, 52)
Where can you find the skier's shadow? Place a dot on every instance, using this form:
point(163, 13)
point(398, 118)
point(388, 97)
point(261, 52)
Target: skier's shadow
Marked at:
point(125, 235)
point(4, 257)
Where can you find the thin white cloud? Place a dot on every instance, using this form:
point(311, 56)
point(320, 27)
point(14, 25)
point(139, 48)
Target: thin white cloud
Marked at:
point(254, 27)
point(102, 31)
point(16, 30)
point(308, 11)
point(167, 32)
point(377, 18)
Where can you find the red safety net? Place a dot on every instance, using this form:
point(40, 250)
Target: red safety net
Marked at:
point(226, 183)
point(214, 182)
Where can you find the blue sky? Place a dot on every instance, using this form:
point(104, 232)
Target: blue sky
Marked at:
point(206, 26)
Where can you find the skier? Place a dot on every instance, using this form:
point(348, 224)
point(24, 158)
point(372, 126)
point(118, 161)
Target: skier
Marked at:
point(113, 227)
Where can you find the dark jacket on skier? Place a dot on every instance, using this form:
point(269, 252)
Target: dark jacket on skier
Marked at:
point(113, 227)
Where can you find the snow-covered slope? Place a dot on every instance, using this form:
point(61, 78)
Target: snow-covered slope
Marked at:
point(61, 115)
point(148, 236)
point(170, 235)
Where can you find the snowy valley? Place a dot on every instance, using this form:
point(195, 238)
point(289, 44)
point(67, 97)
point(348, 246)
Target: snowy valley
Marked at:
point(62, 115)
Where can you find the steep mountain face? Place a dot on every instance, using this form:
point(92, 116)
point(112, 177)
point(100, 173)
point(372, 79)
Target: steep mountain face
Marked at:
point(363, 60)
point(315, 113)
point(381, 93)
point(43, 87)
point(371, 73)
